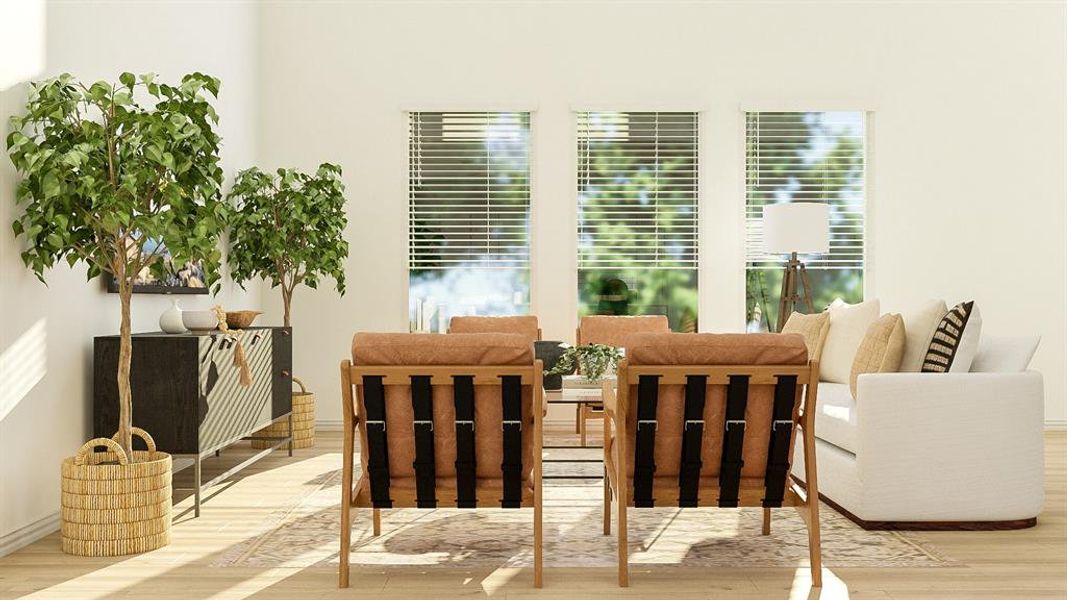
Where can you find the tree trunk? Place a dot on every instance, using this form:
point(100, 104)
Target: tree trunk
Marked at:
point(125, 438)
point(287, 299)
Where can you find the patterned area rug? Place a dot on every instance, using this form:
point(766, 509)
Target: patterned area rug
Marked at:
point(306, 534)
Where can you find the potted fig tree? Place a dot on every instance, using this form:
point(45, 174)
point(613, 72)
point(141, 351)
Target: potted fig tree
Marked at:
point(111, 175)
point(287, 228)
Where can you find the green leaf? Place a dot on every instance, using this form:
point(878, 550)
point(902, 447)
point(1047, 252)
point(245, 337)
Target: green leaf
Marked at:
point(127, 79)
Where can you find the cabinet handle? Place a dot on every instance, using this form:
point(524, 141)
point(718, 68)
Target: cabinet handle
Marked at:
point(255, 339)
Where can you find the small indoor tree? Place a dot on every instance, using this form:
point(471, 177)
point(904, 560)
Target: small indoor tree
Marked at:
point(113, 175)
point(288, 229)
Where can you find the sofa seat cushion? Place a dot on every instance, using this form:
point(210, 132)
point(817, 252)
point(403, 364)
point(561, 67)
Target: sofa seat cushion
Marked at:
point(835, 416)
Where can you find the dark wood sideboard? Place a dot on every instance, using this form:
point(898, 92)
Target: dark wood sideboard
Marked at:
point(187, 392)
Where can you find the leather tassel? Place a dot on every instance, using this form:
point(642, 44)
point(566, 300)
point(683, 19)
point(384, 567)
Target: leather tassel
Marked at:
point(241, 361)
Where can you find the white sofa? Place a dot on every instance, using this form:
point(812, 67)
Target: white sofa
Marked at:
point(932, 450)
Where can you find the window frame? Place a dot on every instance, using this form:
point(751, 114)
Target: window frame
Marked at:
point(403, 183)
point(869, 201)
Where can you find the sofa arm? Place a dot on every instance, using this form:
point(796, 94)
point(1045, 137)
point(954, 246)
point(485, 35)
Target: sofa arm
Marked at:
point(979, 435)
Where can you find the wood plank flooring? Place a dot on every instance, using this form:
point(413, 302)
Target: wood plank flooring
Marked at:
point(1030, 563)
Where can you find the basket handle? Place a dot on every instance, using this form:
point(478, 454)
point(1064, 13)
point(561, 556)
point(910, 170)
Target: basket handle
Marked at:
point(141, 433)
point(110, 444)
point(296, 380)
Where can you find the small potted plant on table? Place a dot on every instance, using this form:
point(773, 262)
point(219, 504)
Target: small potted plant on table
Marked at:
point(111, 182)
point(288, 229)
point(592, 360)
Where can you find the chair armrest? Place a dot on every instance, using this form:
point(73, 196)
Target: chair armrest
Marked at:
point(609, 398)
point(961, 427)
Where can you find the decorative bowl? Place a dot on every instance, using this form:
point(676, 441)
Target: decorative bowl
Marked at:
point(241, 319)
point(200, 320)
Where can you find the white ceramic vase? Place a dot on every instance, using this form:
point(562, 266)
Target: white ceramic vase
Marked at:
point(171, 319)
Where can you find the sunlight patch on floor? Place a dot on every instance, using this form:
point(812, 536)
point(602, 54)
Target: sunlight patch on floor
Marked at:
point(833, 588)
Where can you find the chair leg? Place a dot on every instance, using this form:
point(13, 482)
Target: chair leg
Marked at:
point(814, 543)
point(346, 544)
point(607, 503)
point(582, 425)
point(377, 522)
point(538, 544)
point(578, 418)
point(624, 550)
point(766, 521)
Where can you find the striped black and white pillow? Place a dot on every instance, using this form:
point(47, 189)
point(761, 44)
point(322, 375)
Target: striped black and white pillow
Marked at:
point(948, 339)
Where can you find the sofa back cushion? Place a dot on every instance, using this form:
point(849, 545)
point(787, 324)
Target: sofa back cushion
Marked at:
point(848, 325)
point(1004, 354)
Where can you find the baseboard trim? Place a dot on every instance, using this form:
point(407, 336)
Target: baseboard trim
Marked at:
point(24, 536)
point(329, 425)
point(1056, 425)
point(925, 525)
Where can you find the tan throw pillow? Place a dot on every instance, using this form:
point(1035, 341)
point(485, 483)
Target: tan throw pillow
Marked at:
point(881, 349)
point(813, 328)
point(848, 324)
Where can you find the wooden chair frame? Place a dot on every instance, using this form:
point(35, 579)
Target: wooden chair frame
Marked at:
point(359, 496)
point(616, 406)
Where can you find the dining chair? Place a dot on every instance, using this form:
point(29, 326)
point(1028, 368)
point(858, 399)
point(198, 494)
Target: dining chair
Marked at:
point(525, 325)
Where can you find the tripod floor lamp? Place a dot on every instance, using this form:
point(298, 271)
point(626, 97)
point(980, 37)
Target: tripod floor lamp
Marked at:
point(795, 228)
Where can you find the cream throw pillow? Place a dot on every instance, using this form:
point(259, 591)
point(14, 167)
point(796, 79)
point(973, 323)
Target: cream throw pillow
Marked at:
point(919, 325)
point(848, 325)
point(814, 329)
point(881, 349)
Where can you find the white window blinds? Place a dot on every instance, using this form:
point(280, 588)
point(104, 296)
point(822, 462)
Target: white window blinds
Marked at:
point(807, 157)
point(637, 190)
point(468, 190)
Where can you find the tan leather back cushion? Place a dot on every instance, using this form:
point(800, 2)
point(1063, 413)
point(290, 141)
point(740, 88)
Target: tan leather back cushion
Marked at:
point(616, 330)
point(409, 349)
point(711, 349)
point(522, 324)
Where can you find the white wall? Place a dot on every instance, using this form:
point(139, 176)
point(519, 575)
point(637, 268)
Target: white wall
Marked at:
point(966, 155)
point(46, 333)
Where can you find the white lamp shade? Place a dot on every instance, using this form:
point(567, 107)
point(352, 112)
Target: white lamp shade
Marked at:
point(802, 227)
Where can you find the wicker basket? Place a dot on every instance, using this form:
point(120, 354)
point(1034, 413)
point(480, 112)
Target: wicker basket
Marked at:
point(115, 509)
point(303, 422)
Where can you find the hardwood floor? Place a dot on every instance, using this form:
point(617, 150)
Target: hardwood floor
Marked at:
point(1030, 563)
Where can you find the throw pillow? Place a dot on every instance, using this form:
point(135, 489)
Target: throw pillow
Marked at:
point(1004, 354)
point(955, 341)
point(919, 325)
point(881, 349)
point(848, 325)
point(813, 328)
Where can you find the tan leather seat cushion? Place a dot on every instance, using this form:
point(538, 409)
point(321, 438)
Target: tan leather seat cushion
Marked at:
point(408, 349)
point(615, 330)
point(711, 349)
point(522, 324)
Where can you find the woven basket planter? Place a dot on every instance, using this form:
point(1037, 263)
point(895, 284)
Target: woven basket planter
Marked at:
point(115, 509)
point(303, 422)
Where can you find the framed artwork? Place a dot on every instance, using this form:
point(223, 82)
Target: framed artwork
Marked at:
point(187, 278)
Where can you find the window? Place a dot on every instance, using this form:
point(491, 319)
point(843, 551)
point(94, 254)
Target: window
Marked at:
point(637, 215)
point(805, 157)
point(469, 203)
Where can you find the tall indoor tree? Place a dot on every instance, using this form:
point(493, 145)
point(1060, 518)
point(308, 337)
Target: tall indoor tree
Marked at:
point(113, 174)
point(287, 228)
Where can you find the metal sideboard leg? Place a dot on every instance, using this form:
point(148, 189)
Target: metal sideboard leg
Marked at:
point(290, 433)
point(196, 485)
